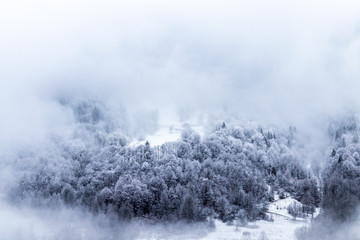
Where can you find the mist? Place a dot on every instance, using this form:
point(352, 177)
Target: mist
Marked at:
point(280, 62)
point(63, 223)
point(277, 63)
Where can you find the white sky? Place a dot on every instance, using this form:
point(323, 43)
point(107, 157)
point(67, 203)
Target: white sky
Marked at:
point(287, 62)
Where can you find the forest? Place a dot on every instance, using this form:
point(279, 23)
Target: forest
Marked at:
point(139, 120)
point(230, 174)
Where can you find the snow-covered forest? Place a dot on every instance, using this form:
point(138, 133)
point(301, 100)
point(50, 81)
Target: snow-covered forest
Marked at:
point(158, 119)
point(231, 173)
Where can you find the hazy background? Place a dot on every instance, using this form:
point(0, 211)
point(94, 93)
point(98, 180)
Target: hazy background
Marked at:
point(276, 62)
point(282, 62)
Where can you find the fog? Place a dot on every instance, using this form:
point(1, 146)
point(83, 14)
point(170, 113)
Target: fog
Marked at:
point(279, 62)
point(275, 62)
point(62, 223)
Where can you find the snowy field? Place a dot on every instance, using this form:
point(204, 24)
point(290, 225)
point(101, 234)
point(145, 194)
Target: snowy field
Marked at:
point(167, 133)
point(169, 130)
point(282, 227)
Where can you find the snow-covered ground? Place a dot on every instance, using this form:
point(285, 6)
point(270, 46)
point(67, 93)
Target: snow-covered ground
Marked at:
point(279, 207)
point(282, 227)
point(169, 130)
point(167, 133)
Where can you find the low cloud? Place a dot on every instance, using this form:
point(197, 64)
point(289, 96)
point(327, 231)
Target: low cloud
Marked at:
point(291, 63)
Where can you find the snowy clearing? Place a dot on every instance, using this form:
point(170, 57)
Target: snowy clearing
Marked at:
point(282, 227)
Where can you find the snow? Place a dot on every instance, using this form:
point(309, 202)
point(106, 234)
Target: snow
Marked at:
point(169, 130)
point(167, 133)
point(282, 227)
point(279, 207)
